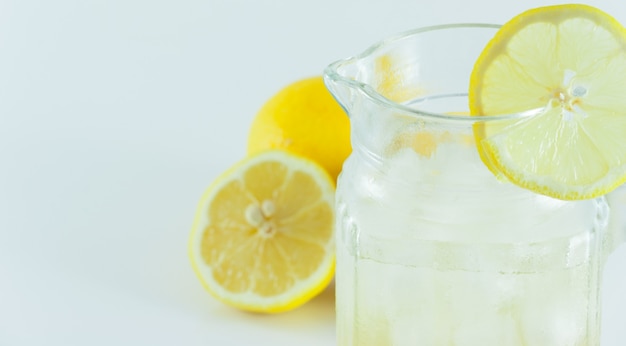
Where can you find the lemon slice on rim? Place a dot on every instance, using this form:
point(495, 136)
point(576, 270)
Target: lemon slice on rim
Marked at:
point(263, 239)
point(569, 63)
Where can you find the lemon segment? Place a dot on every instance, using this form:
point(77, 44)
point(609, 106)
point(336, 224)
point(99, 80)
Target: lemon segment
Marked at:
point(263, 236)
point(567, 62)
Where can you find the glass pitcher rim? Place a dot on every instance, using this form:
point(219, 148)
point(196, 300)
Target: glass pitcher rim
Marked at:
point(331, 72)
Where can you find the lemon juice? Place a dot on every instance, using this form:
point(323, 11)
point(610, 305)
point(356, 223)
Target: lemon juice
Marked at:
point(485, 227)
point(423, 260)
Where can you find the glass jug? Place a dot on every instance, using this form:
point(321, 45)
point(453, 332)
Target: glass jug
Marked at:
point(432, 248)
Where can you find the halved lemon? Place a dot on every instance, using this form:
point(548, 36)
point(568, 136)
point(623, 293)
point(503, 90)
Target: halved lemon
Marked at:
point(568, 62)
point(262, 239)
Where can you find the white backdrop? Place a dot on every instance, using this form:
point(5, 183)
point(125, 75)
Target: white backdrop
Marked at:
point(114, 117)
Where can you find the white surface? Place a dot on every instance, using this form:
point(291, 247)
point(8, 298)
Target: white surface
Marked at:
point(114, 117)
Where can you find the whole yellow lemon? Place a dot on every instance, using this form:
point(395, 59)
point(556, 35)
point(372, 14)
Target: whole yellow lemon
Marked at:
point(305, 119)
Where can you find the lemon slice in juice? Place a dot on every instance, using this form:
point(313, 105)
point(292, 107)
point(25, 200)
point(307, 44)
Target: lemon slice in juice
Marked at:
point(568, 62)
point(262, 239)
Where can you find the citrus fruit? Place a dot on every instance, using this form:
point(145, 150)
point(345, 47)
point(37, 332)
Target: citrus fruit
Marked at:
point(305, 119)
point(262, 239)
point(567, 62)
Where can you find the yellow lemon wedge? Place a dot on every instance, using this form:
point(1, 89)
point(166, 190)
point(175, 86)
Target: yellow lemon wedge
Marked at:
point(262, 239)
point(568, 62)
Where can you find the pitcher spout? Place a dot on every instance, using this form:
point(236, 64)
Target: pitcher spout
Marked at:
point(340, 80)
